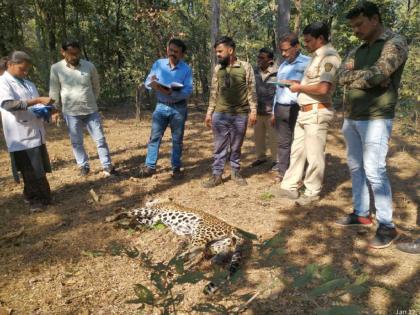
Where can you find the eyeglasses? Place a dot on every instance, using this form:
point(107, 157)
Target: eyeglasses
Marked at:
point(287, 49)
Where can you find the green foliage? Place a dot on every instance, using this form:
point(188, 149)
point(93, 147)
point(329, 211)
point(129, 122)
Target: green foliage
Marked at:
point(123, 38)
point(143, 294)
point(159, 226)
point(266, 196)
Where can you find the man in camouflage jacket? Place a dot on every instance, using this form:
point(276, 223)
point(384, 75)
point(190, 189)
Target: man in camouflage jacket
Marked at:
point(371, 76)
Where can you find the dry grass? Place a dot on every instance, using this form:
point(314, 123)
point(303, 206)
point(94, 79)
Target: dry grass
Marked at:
point(65, 263)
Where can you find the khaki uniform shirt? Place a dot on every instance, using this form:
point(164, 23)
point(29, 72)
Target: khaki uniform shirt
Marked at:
point(250, 79)
point(322, 68)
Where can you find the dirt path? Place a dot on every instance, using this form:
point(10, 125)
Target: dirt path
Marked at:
point(67, 260)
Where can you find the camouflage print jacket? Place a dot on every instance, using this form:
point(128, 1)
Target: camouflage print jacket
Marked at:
point(217, 87)
point(393, 55)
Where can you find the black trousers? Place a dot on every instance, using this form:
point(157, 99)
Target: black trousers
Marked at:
point(33, 165)
point(285, 116)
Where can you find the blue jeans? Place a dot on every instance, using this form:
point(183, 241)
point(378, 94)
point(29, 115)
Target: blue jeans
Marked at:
point(164, 115)
point(93, 124)
point(367, 147)
point(229, 132)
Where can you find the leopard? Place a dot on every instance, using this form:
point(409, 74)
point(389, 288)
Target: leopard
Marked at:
point(209, 237)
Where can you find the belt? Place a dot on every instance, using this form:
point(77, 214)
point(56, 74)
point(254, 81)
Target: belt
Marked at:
point(181, 102)
point(308, 107)
point(281, 104)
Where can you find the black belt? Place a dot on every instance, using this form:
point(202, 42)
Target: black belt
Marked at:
point(182, 102)
point(280, 104)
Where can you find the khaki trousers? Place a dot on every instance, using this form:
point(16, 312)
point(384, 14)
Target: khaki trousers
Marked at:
point(309, 141)
point(265, 134)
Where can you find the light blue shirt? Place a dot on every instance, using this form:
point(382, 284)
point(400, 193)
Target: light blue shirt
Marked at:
point(181, 73)
point(290, 71)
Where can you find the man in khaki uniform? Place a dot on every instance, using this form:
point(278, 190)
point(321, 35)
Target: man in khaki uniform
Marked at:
point(316, 112)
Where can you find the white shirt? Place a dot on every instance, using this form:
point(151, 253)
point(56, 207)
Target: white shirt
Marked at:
point(75, 89)
point(22, 129)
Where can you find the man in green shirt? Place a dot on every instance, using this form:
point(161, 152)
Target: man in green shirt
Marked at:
point(232, 99)
point(371, 76)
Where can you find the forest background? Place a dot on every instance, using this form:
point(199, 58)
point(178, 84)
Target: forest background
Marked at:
point(124, 37)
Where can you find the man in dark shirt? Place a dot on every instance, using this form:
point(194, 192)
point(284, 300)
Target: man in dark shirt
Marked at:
point(371, 75)
point(264, 133)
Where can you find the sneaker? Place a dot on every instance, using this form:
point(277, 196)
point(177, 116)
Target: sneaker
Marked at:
point(284, 193)
point(147, 171)
point(177, 174)
point(213, 181)
point(275, 167)
point(238, 179)
point(354, 220)
point(384, 237)
point(109, 171)
point(258, 162)
point(305, 200)
point(84, 171)
point(411, 248)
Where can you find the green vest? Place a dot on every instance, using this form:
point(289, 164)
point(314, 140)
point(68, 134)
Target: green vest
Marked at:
point(233, 91)
point(377, 102)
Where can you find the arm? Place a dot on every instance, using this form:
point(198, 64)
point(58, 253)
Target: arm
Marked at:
point(393, 55)
point(252, 94)
point(327, 71)
point(313, 89)
point(186, 91)
point(214, 93)
point(14, 105)
point(55, 88)
point(95, 82)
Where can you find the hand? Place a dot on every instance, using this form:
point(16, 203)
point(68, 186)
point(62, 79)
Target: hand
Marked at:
point(295, 87)
point(252, 119)
point(287, 81)
point(349, 66)
point(164, 90)
point(208, 121)
point(273, 121)
point(55, 117)
point(45, 100)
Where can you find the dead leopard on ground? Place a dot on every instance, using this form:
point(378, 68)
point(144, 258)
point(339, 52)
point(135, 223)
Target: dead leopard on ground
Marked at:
point(209, 236)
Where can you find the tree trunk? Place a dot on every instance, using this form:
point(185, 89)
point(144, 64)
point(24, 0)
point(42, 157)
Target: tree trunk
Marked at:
point(298, 17)
point(283, 18)
point(215, 26)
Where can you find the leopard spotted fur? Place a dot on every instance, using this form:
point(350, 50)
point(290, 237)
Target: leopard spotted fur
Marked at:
point(210, 236)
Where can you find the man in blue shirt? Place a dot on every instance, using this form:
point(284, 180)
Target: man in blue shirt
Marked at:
point(286, 109)
point(171, 107)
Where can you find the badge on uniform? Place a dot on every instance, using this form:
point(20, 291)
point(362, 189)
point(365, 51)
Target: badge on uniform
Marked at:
point(328, 67)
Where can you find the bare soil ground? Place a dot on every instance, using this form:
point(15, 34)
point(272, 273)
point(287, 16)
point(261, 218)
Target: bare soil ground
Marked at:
point(68, 260)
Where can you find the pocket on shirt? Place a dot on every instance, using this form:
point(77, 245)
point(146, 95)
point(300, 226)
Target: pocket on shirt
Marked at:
point(312, 72)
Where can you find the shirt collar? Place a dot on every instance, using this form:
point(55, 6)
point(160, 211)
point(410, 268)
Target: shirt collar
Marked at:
point(321, 50)
point(297, 59)
point(71, 66)
point(270, 69)
point(386, 35)
point(175, 67)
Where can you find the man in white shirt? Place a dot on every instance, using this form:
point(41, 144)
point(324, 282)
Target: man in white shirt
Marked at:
point(74, 84)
